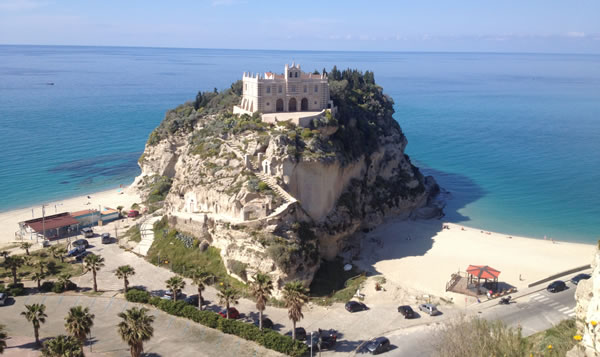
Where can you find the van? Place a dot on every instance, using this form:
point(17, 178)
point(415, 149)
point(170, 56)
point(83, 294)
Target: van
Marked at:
point(87, 232)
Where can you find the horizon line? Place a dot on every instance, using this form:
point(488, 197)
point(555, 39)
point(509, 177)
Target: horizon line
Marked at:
point(305, 50)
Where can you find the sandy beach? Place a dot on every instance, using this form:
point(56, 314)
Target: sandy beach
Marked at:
point(111, 198)
point(422, 255)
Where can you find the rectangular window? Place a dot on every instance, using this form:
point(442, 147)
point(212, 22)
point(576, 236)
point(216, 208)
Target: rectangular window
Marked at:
point(279, 89)
point(293, 89)
point(316, 89)
point(305, 89)
point(296, 74)
point(268, 89)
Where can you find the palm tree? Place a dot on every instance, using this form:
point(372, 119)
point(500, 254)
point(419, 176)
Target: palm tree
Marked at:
point(123, 272)
point(60, 251)
point(201, 279)
point(13, 263)
point(26, 246)
point(261, 288)
point(36, 314)
point(93, 263)
point(64, 280)
point(136, 328)
point(228, 295)
point(175, 284)
point(294, 295)
point(37, 277)
point(41, 264)
point(3, 337)
point(79, 322)
point(62, 346)
point(53, 251)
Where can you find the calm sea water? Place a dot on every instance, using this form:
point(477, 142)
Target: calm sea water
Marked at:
point(515, 138)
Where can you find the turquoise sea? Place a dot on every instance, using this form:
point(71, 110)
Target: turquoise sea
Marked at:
point(514, 138)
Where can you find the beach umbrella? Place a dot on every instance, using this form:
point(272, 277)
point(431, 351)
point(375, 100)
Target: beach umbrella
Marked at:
point(483, 271)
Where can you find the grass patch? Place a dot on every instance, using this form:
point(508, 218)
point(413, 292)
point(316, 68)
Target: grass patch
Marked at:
point(133, 234)
point(54, 267)
point(167, 250)
point(559, 336)
point(333, 284)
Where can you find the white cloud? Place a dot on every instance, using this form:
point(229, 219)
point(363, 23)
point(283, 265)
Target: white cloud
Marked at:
point(576, 34)
point(20, 5)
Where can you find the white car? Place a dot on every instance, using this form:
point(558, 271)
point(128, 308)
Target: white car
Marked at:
point(429, 309)
point(3, 297)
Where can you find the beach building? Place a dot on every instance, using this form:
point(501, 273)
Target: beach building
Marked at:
point(108, 215)
point(87, 217)
point(50, 227)
point(294, 96)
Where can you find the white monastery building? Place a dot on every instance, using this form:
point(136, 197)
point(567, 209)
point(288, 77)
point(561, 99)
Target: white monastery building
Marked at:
point(294, 95)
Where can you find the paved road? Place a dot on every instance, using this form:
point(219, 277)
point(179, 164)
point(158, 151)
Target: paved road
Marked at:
point(536, 312)
point(172, 336)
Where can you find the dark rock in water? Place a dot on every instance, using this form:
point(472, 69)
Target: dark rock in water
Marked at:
point(50, 83)
point(64, 182)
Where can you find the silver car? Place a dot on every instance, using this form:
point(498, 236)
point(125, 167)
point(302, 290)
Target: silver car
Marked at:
point(429, 309)
point(3, 297)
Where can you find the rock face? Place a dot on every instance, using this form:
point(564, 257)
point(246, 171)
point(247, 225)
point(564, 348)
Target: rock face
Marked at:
point(588, 313)
point(277, 198)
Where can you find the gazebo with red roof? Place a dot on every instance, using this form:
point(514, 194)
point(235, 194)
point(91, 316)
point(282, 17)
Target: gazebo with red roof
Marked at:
point(483, 272)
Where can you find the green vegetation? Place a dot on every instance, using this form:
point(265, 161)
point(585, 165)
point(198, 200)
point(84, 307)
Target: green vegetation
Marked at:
point(124, 272)
point(266, 338)
point(184, 117)
point(159, 187)
point(137, 295)
point(93, 263)
point(238, 268)
point(497, 339)
point(133, 233)
point(52, 266)
point(182, 260)
point(287, 253)
point(332, 283)
point(61, 346)
point(560, 337)
point(36, 314)
point(3, 338)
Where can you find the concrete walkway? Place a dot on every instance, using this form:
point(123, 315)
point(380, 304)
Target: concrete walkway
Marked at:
point(147, 233)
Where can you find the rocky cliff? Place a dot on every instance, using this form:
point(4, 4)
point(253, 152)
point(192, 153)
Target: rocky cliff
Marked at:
point(277, 197)
point(588, 314)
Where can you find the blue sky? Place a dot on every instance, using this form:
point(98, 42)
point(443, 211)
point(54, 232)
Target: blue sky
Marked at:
point(416, 25)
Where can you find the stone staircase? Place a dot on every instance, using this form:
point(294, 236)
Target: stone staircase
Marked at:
point(270, 181)
point(147, 233)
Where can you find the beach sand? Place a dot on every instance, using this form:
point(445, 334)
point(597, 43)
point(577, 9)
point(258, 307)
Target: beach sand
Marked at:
point(421, 255)
point(111, 198)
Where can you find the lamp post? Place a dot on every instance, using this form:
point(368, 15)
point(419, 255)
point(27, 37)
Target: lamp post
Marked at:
point(43, 222)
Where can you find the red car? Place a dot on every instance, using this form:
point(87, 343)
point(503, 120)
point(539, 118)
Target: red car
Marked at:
point(233, 313)
point(133, 213)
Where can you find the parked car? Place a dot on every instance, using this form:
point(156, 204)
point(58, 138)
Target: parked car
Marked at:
point(233, 313)
point(169, 295)
point(407, 312)
point(267, 323)
point(556, 286)
point(328, 339)
point(79, 257)
point(3, 297)
point(378, 345)
point(87, 232)
point(80, 243)
point(106, 238)
point(193, 300)
point(429, 309)
point(354, 306)
point(300, 333)
point(583, 276)
point(133, 213)
point(75, 251)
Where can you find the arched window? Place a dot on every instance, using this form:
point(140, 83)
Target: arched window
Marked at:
point(292, 105)
point(304, 104)
point(279, 105)
point(296, 74)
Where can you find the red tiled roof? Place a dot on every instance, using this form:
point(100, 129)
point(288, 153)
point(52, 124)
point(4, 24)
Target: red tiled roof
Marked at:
point(51, 222)
point(82, 213)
